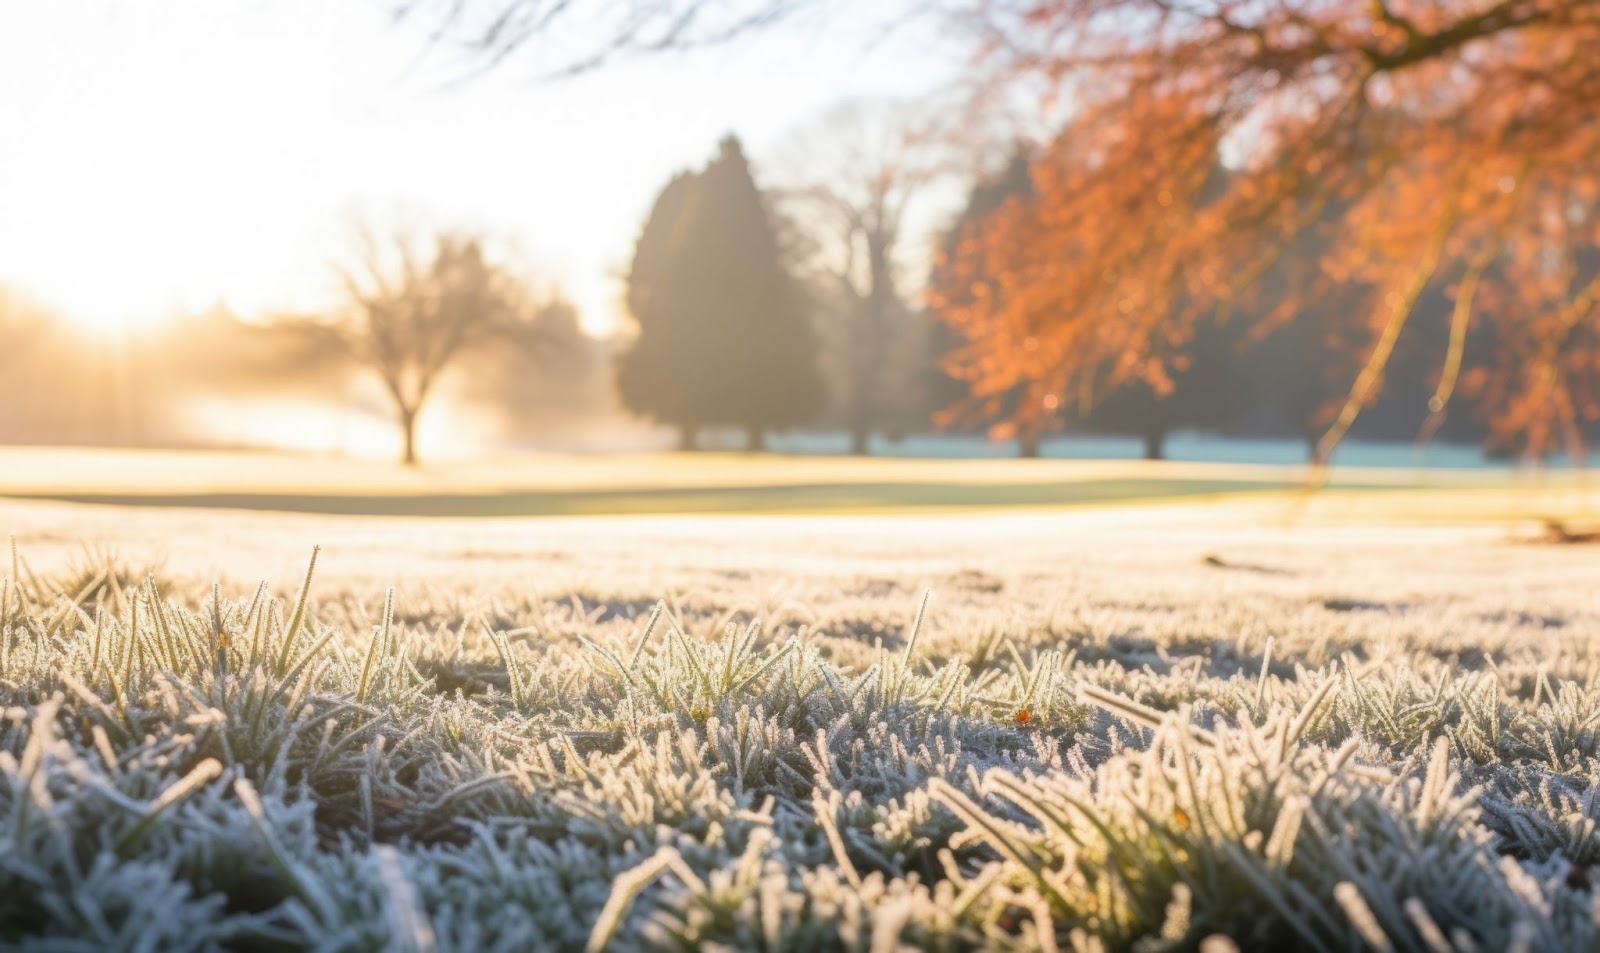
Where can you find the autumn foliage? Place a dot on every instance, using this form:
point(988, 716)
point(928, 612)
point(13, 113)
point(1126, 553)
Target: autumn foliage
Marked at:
point(1407, 148)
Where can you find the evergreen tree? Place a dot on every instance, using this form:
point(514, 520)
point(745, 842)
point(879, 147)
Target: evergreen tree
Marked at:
point(658, 377)
point(724, 337)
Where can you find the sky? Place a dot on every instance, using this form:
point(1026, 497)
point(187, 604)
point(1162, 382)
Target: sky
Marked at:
point(162, 155)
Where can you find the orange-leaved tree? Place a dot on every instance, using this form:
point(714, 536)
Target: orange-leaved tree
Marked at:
point(1437, 144)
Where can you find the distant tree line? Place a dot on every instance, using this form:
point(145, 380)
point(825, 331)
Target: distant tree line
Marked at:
point(1264, 367)
point(797, 306)
point(724, 338)
point(1399, 197)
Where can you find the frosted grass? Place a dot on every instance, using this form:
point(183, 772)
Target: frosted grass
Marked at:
point(1248, 753)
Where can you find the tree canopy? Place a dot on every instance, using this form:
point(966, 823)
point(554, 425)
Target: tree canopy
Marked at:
point(415, 308)
point(1440, 145)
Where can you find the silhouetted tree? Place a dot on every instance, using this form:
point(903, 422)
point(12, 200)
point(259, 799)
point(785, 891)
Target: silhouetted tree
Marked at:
point(856, 177)
point(413, 313)
point(723, 331)
point(656, 377)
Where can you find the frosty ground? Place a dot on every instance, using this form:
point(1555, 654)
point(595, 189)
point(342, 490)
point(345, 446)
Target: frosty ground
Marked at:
point(1133, 727)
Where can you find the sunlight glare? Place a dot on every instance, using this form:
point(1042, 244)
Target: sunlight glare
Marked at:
point(108, 296)
point(444, 431)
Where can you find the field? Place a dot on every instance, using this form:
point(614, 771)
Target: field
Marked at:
point(1153, 714)
point(722, 483)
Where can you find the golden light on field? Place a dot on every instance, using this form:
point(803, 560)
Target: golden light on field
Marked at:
point(445, 430)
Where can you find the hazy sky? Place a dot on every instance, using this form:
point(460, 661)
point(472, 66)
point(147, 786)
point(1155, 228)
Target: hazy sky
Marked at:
point(160, 154)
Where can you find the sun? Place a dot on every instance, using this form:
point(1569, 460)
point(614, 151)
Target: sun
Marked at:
point(131, 270)
point(135, 270)
point(104, 296)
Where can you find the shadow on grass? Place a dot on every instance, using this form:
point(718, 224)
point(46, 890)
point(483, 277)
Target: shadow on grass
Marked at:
point(791, 498)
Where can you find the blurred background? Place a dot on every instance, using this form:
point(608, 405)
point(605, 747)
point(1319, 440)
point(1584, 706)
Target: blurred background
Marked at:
point(425, 232)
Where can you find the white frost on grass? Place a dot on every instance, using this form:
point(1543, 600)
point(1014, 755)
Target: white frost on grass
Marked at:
point(1085, 745)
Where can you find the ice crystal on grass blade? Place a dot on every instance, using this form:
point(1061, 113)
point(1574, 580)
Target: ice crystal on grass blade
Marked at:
point(184, 770)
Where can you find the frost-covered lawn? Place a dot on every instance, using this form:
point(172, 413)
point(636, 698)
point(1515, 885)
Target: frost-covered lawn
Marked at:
point(1129, 728)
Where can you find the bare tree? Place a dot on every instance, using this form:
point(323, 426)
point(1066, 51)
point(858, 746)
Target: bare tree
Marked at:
point(414, 310)
point(856, 182)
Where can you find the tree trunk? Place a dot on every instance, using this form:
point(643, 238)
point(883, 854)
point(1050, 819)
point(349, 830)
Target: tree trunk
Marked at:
point(861, 409)
point(408, 435)
point(688, 438)
point(873, 347)
point(755, 440)
point(1028, 444)
point(1154, 445)
point(860, 434)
